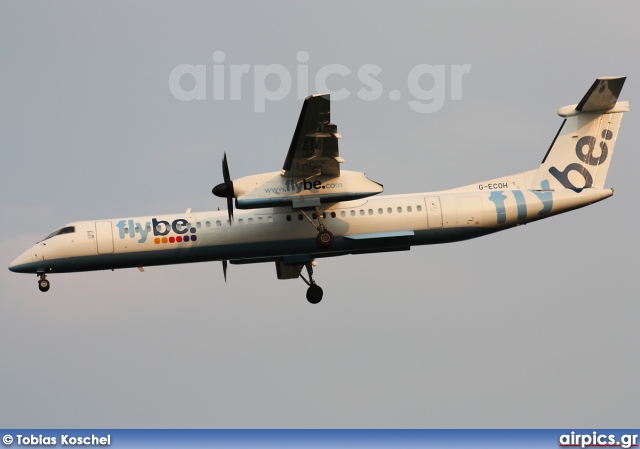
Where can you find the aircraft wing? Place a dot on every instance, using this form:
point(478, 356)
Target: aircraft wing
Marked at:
point(314, 147)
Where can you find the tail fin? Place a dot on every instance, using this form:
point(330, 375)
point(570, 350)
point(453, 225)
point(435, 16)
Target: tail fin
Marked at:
point(581, 152)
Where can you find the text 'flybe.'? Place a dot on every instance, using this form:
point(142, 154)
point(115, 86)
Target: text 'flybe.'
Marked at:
point(162, 230)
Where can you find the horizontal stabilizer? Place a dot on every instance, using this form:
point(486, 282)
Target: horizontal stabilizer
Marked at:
point(601, 97)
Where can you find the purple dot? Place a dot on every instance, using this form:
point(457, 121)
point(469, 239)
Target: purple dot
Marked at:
point(194, 238)
point(186, 238)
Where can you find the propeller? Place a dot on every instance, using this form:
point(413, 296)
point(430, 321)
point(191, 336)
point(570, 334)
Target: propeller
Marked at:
point(225, 189)
point(224, 270)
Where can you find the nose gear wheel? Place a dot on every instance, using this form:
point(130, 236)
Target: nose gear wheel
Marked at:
point(43, 283)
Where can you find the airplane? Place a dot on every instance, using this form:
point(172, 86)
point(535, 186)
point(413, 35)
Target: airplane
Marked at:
point(313, 209)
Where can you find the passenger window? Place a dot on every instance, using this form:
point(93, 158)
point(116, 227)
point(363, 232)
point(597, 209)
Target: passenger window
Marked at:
point(288, 217)
point(399, 210)
point(370, 211)
point(148, 228)
point(379, 211)
point(260, 220)
point(270, 219)
point(361, 212)
point(137, 229)
point(408, 208)
point(218, 223)
point(250, 220)
point(207, 224)
point(299, 216)
point(198, 225)
point(353, 213)
point(343, 213)
point(389, 210)
point(419, 208)
point(240, 221)
point(333, 215)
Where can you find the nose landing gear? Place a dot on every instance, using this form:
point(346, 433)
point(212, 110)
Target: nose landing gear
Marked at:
point(43, 283)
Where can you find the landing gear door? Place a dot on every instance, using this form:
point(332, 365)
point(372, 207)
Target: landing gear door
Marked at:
point(434, 212)
point(104, 237)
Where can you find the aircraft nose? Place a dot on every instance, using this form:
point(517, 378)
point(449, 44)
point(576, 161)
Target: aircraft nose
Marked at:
point(20, 263)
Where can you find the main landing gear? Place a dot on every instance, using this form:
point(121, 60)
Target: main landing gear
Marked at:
point(43, 283)
point(325, 237)
point(314, 292)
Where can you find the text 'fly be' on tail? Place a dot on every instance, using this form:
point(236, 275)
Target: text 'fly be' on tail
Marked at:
point(581, 152)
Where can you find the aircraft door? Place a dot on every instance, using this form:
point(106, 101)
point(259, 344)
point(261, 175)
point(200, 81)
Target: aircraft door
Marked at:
point(434, 212)
point(104, 237)
point(469, 211)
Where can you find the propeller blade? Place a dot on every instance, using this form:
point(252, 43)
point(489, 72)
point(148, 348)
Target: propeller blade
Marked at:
point(225, 169)
point(225, 189)
point(224, 270)
point(230, 208)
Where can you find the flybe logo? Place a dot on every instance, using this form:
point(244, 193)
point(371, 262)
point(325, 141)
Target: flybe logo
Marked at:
point(589, 157)
point(296, 187)
point(163, 231)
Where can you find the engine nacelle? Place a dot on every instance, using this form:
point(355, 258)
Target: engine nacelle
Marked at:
point(274, 189)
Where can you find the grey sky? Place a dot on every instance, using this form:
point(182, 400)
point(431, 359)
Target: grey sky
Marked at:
point(531, 327)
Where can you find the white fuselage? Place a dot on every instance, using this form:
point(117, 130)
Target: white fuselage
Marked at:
point(381, 223)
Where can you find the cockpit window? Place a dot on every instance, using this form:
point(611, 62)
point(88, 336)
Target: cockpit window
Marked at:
point(66, 230)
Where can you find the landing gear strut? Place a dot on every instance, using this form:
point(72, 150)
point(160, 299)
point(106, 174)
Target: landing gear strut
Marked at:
point(325, 237)
point(314, 292)
point(43, 283)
